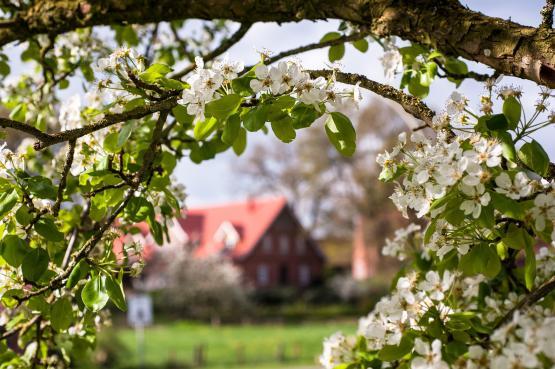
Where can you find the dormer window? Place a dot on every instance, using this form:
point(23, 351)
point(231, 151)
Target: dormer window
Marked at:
point(228, 235)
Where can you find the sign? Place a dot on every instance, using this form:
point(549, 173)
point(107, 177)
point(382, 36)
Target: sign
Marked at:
point(139, 310)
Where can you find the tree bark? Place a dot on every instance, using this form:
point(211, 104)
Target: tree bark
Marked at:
point(505, 46)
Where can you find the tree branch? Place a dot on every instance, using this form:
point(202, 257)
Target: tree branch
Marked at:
point(224, 46)
point(543, 290)
point(45, 140)
point(316, 45)
point(63, 179)
point(411, 104)
point(446, 25)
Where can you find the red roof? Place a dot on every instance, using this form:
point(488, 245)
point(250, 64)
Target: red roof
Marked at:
point(250, 219)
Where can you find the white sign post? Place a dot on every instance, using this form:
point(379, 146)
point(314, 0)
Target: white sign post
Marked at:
point(139, 315)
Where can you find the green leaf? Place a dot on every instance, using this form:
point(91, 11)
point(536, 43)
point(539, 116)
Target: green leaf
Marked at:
point(180, 114)
point(509, 151)
point(497, 122)
point(34, 264)
point(512, 110)
point(42, 187)
point(336, 52)
point(361, 45)
point(534, 157)
point(416, 88)
point(240, 142)
point(255, 118)
point(7, 202)
point(341, 133)
point(392, 352)
point(304, 115)
point(159, 68)
point(154, 73)
point(61, 314)
point(14, 250)
point(283, 129)
point(94, 294)
point(4, 68)
point(79, 272)
point(529, 265)
point(114, 287)
point(330, 36)
point(48, 229)
point(223, 107)
point(203, 129)
point(18, 112)
point(138, 209)
point(125, 133)
point(23, 215)
point(231, 129)
point(110, 143)
point(481, 259)
point(155, 230)
point(508, 207)
point(517, 238)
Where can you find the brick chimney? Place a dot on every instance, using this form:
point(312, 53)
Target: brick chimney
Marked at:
point(364, 258)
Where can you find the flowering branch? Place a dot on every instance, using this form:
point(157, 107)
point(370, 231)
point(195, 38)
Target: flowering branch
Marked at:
point(411, 104)
point(224, 46)
point(316, 45)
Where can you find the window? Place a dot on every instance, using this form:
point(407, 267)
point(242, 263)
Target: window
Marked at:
point(263, 274)
point(267, 244)
point(284, 244)
point(301, 245)
point(304, 275)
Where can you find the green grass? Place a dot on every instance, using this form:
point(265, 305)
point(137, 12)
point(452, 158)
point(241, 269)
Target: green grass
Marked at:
point(244, 346)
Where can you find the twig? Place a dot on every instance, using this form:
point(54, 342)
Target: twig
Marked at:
point(63, 179)
point(317, 45)
point(224, 46)
point(543, 290)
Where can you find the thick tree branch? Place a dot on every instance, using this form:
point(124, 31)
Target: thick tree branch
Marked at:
point(512, 49)
point(411, 104)
point(224, 46)
point(46, 140)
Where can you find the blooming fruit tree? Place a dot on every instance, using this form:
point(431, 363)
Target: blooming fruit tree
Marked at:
point(86, 164)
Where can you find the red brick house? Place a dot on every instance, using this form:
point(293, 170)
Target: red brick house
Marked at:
point(262, 237)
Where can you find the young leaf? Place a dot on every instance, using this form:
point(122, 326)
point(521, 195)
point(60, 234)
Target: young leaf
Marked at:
point(138, 209)
point(34, 264)
point(534, 156)
point(361, 45)
point(7, 201)
point(231, 129)
point(240, 142)
point(61, 314)
point(48, 229)
point(336, 52)
point(13, 250)
point(341, 133)
point(283, 129)
point(512, 110)
point(203, 129)
point(94, 293)
point(114, 288)
point(529, 265)
point(223, 107)
point(181, 115)
point(42, 187)
point(79, 272)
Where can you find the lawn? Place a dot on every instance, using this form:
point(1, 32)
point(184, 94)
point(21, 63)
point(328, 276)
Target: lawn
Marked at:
point(240, 346)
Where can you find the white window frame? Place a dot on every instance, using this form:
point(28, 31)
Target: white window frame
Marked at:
point(263, 274)
point(305, 275)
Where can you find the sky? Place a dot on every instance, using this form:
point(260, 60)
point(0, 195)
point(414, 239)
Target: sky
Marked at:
point(217, 181)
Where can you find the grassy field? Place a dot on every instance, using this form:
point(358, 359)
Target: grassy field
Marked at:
point(239, 346)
